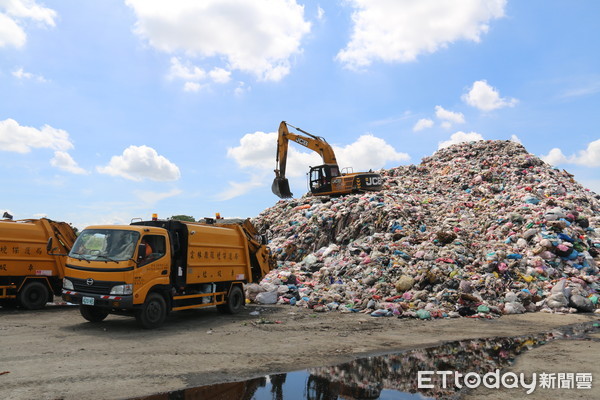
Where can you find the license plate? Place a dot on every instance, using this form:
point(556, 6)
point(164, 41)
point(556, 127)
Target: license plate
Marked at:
point(88, 301)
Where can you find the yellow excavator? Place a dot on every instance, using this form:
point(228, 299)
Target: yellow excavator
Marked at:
point(325, 179)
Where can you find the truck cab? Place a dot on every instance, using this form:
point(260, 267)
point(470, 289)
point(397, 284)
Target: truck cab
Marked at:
point(106, 264)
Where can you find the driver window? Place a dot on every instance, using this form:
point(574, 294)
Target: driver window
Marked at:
point(155, 249)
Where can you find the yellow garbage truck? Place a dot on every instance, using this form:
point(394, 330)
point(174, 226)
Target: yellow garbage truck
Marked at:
point(28, 275)
point(149, 268)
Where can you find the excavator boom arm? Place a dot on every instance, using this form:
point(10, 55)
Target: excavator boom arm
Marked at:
point(317, 144)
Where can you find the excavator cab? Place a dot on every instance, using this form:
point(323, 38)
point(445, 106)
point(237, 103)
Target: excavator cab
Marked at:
point(319, 178)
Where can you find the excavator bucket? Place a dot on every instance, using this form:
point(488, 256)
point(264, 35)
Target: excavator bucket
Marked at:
point(281, 188)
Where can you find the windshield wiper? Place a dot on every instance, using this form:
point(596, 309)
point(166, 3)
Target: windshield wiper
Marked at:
point(107, 257)
point(80, 257)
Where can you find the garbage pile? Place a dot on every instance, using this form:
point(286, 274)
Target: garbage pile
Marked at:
point(477, 229)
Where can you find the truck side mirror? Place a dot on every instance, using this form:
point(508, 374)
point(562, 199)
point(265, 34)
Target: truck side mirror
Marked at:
point(141, 250)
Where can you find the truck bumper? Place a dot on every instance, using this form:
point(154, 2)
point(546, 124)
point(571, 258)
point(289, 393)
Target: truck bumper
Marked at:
point(98, 300)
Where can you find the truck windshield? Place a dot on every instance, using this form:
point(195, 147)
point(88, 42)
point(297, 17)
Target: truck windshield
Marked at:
point(105, 245)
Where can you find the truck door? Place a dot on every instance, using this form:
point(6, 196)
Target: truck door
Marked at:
point(153, 264)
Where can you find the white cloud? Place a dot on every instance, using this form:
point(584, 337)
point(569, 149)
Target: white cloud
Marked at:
point(12, 14)
point(320, 13)
point(515, 138)
point(63, 160)
point(237, 189)
point(149, 198)
point(401, 30)
point(194, 75)
point(220, 75)
point(590, 157)
point(423, 123)
point(241, 89)
point(185, 72)
point(21, 139)
point(554, 157)
point(141, 162)
point(21, 74)
point(257, 152)
point(590, 87)
point(192, 87)
point(29, 9)
point(11, 34)
point(368, 152)
point(449, 117)
point(486, 98)
point(460, 137)
point(257, 37)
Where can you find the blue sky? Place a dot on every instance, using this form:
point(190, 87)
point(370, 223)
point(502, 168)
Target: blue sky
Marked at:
point(112, 110)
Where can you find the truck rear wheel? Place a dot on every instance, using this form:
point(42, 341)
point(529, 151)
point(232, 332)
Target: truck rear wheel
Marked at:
point(93, 314)
point(34, 295)
point(235, 301)
point(153, 312)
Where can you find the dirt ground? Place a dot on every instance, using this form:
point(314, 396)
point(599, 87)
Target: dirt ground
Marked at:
point(55, 354)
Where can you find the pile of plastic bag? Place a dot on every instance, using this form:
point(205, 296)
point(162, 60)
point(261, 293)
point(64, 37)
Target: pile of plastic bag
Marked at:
point(477, 229)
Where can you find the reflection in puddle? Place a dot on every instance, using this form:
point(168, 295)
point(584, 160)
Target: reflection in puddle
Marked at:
point(392, 376)
point(233, 390)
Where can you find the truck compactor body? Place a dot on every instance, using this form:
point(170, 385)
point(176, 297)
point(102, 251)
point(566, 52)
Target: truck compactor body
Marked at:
point(149, 268)
point(28, 275)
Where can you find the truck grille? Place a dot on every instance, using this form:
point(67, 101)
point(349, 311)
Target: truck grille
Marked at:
point(98, 287)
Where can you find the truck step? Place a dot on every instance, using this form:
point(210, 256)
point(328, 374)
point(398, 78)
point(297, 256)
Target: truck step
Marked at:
point(185, 302)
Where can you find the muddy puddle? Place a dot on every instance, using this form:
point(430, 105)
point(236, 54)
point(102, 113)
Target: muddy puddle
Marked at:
point(389, 376)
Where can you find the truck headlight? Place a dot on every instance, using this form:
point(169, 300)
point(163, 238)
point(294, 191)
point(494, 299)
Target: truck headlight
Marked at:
point(122, 289)
point(67, 284)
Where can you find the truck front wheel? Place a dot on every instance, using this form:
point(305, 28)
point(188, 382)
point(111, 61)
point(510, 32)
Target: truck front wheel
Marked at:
point(34, 295)
point(93, 314)
point(153, 312)
point(235, 301)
